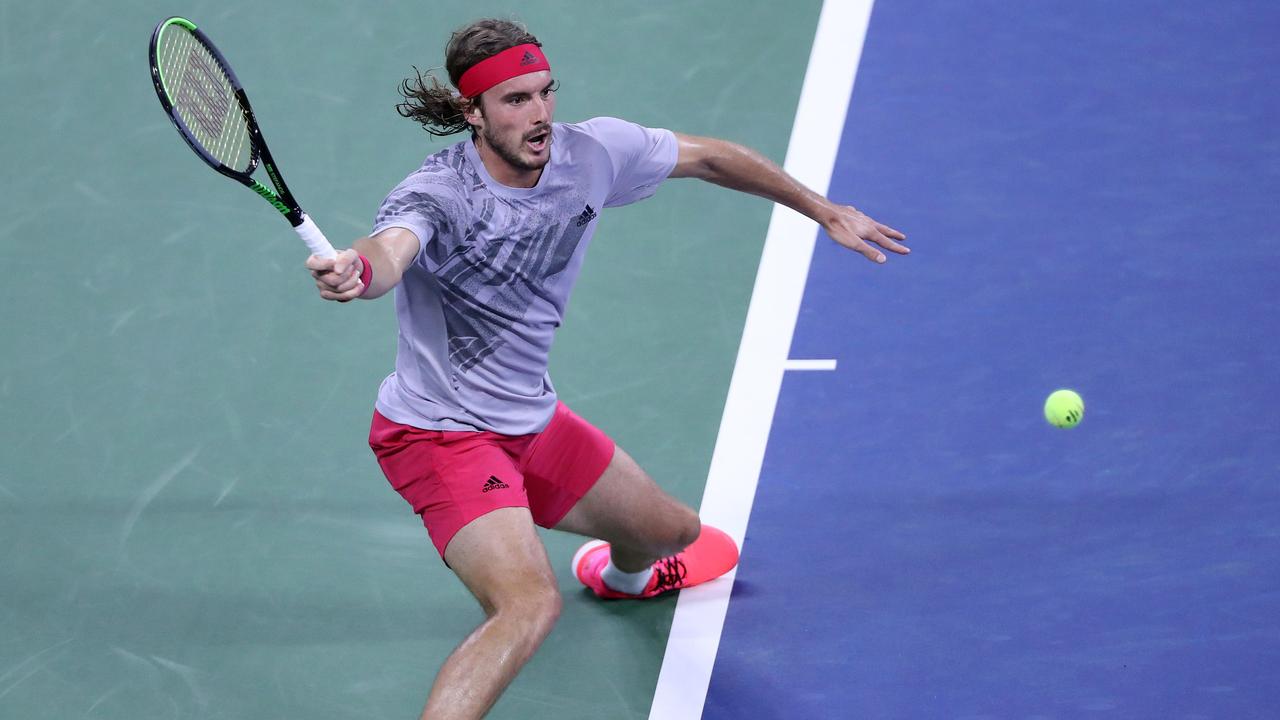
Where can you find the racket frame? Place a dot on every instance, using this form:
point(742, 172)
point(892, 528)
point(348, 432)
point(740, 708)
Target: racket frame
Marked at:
point(280, 198)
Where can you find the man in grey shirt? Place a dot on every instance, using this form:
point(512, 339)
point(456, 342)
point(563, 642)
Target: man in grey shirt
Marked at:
point(482, 245)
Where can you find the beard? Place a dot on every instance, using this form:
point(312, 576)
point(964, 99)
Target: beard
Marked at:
point(512, 152)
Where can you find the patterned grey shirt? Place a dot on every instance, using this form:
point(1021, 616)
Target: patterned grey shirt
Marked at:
point(479, 306)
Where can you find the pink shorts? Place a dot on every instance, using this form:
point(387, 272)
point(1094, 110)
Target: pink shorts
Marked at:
point(451, 478)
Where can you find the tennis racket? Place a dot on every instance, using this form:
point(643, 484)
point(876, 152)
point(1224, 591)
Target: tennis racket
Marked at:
point(210, 109)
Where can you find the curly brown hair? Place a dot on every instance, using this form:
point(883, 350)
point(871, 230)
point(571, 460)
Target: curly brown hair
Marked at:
point(437, 106)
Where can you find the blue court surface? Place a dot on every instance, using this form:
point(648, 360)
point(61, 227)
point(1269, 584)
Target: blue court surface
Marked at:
point(1091, 190)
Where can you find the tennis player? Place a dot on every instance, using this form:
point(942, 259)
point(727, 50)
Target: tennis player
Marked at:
point(482, 245)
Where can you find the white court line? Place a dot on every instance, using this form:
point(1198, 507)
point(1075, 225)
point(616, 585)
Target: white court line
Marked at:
point(810, 365)
point(762, 356)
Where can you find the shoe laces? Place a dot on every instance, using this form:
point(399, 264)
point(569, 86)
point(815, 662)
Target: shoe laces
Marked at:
point(670, 573)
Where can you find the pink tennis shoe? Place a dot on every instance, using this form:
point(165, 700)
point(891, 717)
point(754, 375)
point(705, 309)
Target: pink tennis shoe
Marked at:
point(713, 554)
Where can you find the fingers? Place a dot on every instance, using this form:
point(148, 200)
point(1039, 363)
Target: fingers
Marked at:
point(885, 237)
point(337, 278)
point(344, 296)
point(882, 239)
point(869, 251)
point(339, 284)
point(859, 239)
point(863, 249)
point(858, 232)
point(316, 263)
point(344, 287)
point(341, 263)
point(886, 230)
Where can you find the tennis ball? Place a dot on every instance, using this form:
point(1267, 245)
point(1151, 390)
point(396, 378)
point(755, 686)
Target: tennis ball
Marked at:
point(1064, 409)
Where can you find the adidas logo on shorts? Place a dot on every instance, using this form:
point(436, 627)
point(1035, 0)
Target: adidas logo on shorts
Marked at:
point(493, 483)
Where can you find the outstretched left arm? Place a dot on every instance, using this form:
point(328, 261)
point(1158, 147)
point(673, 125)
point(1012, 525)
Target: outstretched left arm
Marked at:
point(741, 168)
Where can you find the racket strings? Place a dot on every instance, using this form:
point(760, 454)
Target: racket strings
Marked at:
point(204, 98)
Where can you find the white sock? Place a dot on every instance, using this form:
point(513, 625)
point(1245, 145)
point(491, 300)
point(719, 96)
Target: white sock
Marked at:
point(625, 582)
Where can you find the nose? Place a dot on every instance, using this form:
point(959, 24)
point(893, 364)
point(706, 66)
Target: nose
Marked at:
point(542, 110)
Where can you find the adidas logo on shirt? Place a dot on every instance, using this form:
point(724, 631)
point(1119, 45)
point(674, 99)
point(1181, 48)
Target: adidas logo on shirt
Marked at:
point(587, 216)
point(493, 483)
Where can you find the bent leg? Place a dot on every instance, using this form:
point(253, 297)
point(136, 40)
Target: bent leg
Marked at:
point(501, 560)
point(640, 521)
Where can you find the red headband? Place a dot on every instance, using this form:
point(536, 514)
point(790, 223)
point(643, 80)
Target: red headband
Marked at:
point(513, 62)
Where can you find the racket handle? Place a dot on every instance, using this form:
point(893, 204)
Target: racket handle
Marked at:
point(315, 240)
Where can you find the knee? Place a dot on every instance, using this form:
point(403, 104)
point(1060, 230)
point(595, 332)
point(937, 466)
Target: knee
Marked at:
point(690, 529)
point(535, 610)
point(684, 528)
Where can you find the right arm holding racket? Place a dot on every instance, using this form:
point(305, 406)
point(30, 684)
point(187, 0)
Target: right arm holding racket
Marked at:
point(389, 253)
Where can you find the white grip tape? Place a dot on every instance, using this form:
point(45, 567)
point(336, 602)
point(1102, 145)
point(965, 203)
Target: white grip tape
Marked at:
point(315, 240)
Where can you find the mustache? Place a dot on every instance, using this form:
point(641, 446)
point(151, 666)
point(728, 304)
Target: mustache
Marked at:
point(540, 130)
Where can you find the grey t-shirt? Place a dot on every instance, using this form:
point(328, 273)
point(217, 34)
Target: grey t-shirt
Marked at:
point(479, 306)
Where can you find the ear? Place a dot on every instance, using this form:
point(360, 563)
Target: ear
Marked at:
point(472, 112)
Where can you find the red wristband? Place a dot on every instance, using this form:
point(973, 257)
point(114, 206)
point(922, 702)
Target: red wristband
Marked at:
point(366, 274)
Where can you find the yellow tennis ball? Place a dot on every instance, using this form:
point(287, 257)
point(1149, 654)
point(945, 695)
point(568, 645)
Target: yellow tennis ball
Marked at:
point(1064, 409)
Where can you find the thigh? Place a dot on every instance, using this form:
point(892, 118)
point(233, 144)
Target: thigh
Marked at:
point(626, 507)
point(501, 559)
point(449, 478)
point(562, 464)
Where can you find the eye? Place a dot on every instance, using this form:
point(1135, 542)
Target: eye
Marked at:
point(550, 90)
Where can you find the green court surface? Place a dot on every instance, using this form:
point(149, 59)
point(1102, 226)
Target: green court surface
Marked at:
point(191, 523)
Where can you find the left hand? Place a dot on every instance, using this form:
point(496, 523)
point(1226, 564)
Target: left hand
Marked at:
point(854, 230)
